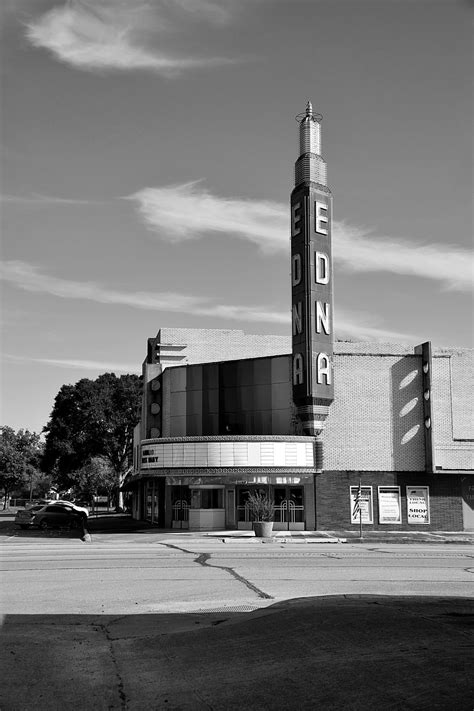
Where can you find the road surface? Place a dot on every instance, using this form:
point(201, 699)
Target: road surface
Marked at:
point(145, 621)
point(50, 573)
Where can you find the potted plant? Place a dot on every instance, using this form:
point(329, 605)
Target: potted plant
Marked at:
point(261, 509)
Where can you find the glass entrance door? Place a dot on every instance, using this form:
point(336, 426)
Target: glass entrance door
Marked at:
point(151, 502)
point(289, 508)
point(180, 502)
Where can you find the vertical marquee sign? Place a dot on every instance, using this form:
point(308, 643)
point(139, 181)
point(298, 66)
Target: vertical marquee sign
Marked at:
point(311, 280)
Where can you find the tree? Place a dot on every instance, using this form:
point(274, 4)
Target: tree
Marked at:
point(93, 418)
point(96, 476)
point(20, 454)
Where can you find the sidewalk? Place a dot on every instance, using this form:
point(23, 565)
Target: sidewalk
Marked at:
point(122, 523)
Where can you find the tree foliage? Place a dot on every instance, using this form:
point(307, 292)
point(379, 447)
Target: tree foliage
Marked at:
point(96, 476)
point(93, 418)
point(20, 454)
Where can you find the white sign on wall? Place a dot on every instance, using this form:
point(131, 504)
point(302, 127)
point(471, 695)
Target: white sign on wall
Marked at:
point(418, 504)
point(389, 505)
point(361, 505)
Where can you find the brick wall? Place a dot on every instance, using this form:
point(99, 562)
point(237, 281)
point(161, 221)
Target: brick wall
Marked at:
point(453, 410)
point(201, 345)
point(375, 420)
point(333, 499)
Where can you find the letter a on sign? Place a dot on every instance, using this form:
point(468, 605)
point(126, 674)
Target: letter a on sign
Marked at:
point(323, 366)
point(298, 378)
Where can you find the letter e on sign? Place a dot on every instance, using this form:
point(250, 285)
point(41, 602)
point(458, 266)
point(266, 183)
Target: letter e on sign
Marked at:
point(320, 219)
point(295, 218)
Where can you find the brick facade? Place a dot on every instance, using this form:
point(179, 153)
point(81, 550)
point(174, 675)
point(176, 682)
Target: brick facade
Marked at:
point(185, 346)
point(375, 431)
point(333, 499)
point(453, 410)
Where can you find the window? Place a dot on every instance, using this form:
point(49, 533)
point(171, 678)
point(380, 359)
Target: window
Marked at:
point(57, 509)
point(390, 510)
point(361, 506)
point(207, 499)
point(418, 504)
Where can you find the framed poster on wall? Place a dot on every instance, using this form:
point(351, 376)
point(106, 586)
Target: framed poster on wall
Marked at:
point(390, 510)
point(361, 505)
point(418, 504)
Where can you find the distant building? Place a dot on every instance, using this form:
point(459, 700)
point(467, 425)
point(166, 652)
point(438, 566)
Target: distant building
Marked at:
point(338, 433)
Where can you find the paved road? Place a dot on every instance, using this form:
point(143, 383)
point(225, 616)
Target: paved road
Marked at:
point(267, 627)
point(45, 573)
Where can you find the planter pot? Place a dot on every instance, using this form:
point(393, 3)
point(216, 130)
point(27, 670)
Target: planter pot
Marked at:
point(263, 529)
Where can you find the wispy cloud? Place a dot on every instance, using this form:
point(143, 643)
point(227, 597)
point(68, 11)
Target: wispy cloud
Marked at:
point(101, 35)
point(39, 199)
point(189, 211)
point(75, 364)
point(29, 278)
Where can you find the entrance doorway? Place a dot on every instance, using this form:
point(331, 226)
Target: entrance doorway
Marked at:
point(151, 502)
point(180, 502)
point(289, 508)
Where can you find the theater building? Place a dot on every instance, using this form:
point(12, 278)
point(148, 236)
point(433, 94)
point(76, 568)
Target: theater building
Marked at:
point(338, 433)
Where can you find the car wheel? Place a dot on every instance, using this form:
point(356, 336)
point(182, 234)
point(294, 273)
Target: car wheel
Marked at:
point(43, 525)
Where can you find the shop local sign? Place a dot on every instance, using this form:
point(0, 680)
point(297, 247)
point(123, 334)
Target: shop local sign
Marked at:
point(418, 507)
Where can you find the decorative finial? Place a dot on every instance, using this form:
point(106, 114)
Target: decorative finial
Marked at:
point(309, 109)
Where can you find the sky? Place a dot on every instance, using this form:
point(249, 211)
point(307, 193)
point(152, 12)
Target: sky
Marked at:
point(147, 157)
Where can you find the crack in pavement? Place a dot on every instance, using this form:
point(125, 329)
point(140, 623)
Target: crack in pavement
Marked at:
point(202, 559)
point(120, 685)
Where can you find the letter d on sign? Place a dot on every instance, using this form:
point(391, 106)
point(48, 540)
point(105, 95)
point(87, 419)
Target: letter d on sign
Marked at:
point(321, 268)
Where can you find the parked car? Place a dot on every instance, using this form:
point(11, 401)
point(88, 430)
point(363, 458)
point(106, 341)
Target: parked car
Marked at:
point(63, 502)
point(59, 515)
point(24, 517)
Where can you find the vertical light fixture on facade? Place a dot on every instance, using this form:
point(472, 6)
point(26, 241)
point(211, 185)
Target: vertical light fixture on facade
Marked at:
point(311, 269)
point(424, 350)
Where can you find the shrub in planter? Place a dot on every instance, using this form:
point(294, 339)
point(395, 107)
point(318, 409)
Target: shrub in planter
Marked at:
point(261, 509)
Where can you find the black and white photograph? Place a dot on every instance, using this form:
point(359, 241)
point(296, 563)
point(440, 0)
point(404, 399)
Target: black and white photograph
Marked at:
point(237, 390)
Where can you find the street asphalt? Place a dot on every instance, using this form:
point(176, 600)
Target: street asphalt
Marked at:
point(330, 653)
point(326, 653)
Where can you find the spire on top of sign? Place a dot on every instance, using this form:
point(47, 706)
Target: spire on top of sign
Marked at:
point(310, 166)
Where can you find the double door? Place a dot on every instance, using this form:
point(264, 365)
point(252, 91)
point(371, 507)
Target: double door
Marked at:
point(180, 504)
point(289, 508)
